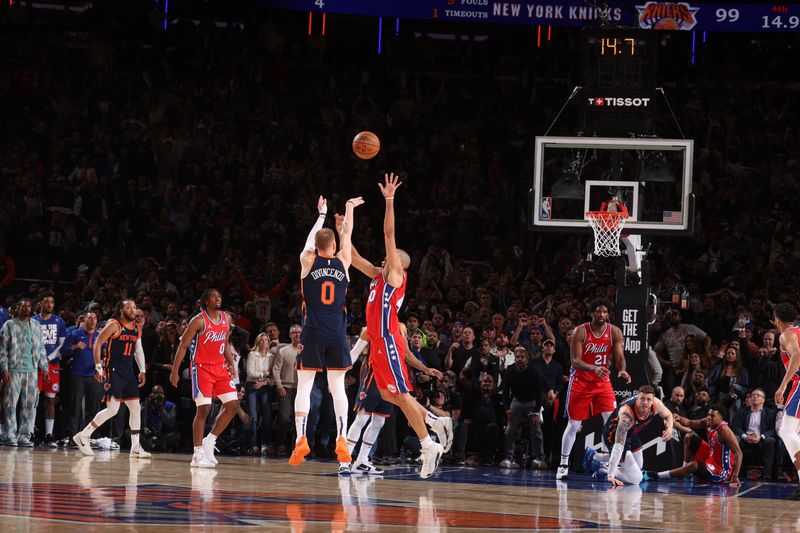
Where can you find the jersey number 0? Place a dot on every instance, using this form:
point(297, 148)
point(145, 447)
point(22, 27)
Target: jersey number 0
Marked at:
point(328, 292)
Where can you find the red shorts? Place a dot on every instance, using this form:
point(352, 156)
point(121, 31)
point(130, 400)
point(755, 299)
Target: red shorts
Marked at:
point(586, 399)
point(387, 356)
point(50, 389)
point(211, 381)
point(712, 467)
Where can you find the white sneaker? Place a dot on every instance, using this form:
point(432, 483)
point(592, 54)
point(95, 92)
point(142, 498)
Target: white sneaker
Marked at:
point(208, 450)
point(443, 427)
point(430, 460)
point(199, 461)
point(83, 444)
point(140, 452)
point(344, 470)
point(562, 472)
point(365, 468)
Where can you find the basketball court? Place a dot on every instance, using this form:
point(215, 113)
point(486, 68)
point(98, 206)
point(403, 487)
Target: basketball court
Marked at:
point(47, 489)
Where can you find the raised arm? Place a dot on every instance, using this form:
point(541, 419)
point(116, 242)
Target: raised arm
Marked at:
point(789, 344)
point(307, 255)
point(194, 327)
point(346, 233)
point(394, 269)
point(618, 347)
point(623, 425)
point(361, 264)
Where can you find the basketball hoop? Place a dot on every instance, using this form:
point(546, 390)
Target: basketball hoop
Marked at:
point(607, 226)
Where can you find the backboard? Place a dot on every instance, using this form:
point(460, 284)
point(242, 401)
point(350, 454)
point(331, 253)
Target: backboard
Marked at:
point(652, 177)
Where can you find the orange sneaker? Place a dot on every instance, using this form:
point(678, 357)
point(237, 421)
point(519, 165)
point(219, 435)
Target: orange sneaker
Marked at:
point(301, 449)
point(342, 454)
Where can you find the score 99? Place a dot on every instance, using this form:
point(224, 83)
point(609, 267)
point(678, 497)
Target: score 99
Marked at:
point(727, 15)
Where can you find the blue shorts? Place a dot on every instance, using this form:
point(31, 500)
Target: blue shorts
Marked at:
point(369, 401)
point(121, 384)
point(324, 357)
point(632, 443)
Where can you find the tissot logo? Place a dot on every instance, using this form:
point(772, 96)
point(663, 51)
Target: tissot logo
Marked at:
point(619, 102)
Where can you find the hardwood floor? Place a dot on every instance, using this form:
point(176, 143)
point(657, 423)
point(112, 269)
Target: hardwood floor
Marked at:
point(46, 490)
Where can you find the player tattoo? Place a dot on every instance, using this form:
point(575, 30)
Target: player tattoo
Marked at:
point(624, 424)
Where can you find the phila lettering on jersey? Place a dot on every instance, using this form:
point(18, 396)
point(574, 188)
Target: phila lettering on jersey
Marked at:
point(208, 348)
point(597, 351)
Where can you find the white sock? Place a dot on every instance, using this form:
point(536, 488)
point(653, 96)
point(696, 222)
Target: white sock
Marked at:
point(426, 443)
point(664, 475)
point(430, 418)
point(87, 431)
point(300, 425)
point(212, 438)
point(134, 421)
point(370, 438)
point(341, 405)
point(357, 349)
point(354, 433)
point(198, 450)
point(48, 425)
point(564, 460)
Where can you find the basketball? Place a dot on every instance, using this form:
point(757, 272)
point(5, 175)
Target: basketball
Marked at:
point(366, 145)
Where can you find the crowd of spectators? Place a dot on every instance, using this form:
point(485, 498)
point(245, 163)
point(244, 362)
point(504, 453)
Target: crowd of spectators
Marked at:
point(156, 167)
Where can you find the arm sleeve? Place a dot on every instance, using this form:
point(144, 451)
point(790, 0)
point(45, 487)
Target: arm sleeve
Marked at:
point(309, 246)
point(616, 456)
point(139, 355)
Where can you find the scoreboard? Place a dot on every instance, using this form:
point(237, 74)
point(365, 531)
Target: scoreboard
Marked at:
point(649, 15)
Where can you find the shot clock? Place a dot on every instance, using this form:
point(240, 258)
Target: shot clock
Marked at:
point(619, 75)
point(613, 46)
point(618, 58)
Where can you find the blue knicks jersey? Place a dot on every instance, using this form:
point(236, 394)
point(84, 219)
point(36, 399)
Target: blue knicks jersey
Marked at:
point(639, 423)
point(324, 292)
point(120, 348)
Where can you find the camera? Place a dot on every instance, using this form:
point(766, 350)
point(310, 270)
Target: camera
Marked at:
point(157, 399)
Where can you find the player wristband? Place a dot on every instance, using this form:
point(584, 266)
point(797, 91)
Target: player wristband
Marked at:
point(98, 368)
point(390, 197)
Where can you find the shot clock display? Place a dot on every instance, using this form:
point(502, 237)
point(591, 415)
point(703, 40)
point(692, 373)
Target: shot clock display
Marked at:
point(613, 46)
point(617, 58)
point(619, 73)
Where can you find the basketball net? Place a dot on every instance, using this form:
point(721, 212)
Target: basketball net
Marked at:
point(607, 226)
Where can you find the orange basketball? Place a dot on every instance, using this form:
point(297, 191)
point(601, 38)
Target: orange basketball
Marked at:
point(366, 145)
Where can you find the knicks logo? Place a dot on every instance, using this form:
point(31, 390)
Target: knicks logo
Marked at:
point(362, 396)
point(667, 16)
point(214, 336)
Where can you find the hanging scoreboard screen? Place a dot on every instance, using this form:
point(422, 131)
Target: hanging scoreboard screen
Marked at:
point(767, 17)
